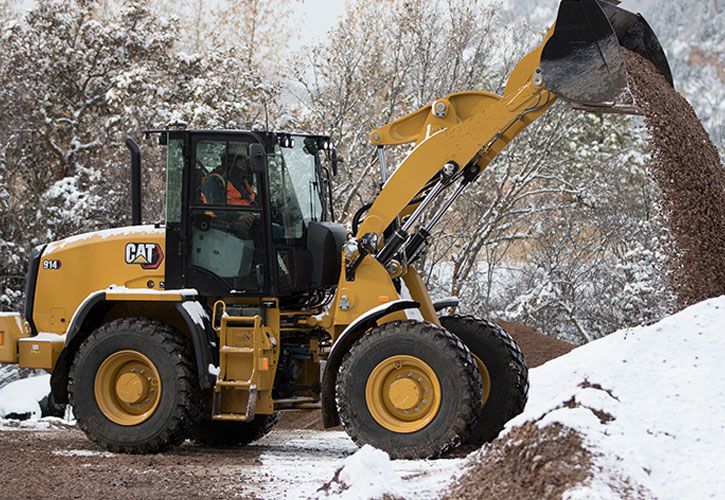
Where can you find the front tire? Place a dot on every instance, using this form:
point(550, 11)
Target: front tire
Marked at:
point(409, 388)
point(133, 387)
point(503, 372)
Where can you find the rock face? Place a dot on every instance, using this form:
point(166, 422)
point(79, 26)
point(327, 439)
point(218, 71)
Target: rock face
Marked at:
point(688, 170)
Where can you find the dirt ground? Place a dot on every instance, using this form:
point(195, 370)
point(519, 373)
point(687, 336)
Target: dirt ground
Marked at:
point(689, 173)
point(42, 465)
point(62, 463)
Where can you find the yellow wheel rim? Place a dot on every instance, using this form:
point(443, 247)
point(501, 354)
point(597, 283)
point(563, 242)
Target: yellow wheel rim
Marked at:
point(485, 377)
point(127, 388)
point(403, 394)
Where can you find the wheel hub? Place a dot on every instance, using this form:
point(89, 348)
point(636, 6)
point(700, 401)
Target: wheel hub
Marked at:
point(403, 394)
point(131, 388)
point(127, 387)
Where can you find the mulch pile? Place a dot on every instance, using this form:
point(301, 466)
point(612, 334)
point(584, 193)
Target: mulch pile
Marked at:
point(687, 168)
point(527, 463)
point(537, 349)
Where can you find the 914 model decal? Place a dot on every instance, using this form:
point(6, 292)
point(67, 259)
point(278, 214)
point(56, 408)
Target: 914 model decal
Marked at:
point(147, 255)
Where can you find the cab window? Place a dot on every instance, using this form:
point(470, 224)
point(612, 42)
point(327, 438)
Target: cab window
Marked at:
point(295, 188)
point(223, 175)
point(227, 229)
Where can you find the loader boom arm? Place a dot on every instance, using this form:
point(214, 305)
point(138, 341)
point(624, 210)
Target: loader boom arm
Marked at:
point(464, 129)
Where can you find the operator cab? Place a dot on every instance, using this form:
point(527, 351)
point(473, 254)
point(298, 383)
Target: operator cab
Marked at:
point(250, 213)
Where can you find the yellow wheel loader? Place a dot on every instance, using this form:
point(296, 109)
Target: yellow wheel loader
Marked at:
point(249, 300)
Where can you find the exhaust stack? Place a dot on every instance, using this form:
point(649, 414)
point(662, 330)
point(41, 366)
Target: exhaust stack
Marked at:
point(135, 181)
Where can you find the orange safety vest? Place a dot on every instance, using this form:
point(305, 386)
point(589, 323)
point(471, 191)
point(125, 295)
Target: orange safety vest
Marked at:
point(234, 196)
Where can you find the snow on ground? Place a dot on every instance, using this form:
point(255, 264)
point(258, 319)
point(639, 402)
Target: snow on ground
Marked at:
point(298, 463)
point(43, 424)
point(649, 402)
point(368, 473)
point(22, 396)
point(83, 453)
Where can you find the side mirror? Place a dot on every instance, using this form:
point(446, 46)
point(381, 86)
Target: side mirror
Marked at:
point(257, 158)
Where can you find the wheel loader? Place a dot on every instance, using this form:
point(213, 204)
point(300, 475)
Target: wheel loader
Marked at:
point(244, 305)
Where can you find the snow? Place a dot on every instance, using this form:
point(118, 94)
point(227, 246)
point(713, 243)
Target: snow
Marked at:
point(662, 395)
point(214, 370)
point(184, 292)
point(22, 396)
point(302, 461)
point(196, 312)
point(648, 402)
point(366, 474)
point(141, 231)
point(43, 424)
point(44, 337)
point(412, 313)
point(83, 453)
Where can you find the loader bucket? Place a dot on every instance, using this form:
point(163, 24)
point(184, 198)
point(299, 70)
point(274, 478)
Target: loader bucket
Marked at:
point(582, 62)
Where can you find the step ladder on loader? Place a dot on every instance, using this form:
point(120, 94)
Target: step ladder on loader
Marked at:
point(247, 363)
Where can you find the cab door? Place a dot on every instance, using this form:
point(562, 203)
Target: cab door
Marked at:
point(226, 226)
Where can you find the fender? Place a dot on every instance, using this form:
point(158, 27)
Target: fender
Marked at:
point(446, 303)
point(342, 345)
point(89, 316)
point(90, 311)
point(202, 337)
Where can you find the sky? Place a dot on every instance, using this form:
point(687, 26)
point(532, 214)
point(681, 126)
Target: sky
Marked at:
point(317, 17)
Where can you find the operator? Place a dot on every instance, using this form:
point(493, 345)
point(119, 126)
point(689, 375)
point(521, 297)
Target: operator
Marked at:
point(238, 187)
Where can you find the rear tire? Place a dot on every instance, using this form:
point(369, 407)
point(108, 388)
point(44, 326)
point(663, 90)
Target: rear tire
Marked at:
point(117, 350)
point(506, 383)
point(230, 433)
point(409, 388)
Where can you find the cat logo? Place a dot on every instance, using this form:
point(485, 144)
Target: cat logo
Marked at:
point(147, 255)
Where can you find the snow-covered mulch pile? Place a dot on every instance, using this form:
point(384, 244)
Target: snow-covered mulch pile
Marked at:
point(649, 404)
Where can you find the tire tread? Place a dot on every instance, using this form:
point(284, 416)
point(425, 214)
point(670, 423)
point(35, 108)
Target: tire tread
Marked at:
point(489, 428)
point(185, 415)
point(471, 397)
